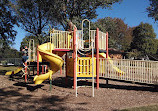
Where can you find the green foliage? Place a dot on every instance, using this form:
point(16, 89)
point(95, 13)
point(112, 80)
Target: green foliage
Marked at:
point(157, 46)
point(144, 39)
point(134, 53)
point(4, 63)
point(26, 40)
point(77, 10)
point(153, 9)
point(7, 22)
point(35, 15)
point(9, 53)
point(120, 35)
point(123, 35)
point(138, 40)
point(107, 25)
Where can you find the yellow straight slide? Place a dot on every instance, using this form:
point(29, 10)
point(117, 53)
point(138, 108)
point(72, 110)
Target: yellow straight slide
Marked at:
point(55, 61)
point(14, 72)
point(111, 62)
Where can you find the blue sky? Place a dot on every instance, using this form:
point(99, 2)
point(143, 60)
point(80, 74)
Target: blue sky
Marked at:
point(133, 12)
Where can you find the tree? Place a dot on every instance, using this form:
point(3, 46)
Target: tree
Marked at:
point(157, 46)
point(26, 40)
point(107, 24)
point(153, 9)
point(120, 34)
point(35, 15)
point(9, 53)
point(123, 34)
point(77, 10)
point(7, 22)
point(144, 39)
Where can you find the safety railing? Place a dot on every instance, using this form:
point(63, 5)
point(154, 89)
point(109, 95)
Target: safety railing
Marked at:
point(130, 70)
point(85, 43)
point(102, 40)
point(62, 39)
point(82, 42)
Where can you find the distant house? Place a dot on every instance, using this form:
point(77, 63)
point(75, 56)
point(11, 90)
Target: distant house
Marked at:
point(116, 54)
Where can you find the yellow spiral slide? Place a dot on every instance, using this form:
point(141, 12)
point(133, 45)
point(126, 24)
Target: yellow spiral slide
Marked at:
point(55, 61)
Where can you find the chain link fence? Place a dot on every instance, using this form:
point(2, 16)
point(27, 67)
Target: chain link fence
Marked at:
point(11, 61)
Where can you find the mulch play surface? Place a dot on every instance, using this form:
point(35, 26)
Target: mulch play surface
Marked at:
point(16, 95)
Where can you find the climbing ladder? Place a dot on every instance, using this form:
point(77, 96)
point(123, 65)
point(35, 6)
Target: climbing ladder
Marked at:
point(84, 65)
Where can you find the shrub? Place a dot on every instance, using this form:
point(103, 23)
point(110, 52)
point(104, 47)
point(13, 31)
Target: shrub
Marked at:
point(4, 63)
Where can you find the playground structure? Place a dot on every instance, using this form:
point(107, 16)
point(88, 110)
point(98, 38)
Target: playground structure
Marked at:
point(86, 57)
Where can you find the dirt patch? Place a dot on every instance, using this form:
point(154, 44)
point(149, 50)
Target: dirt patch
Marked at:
point(17, 95)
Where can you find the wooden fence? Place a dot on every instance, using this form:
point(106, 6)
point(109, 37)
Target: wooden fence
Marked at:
point(130, 70)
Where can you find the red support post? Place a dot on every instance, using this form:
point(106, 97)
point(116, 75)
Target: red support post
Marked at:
point(107, 50)
point(97, 57)
point(42, 69)
point(25, 71)
point(61, 71)
point(66, 79)
point(74, 56)
point(37, 61)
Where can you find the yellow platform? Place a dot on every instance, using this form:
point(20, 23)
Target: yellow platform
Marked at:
point(84, 67)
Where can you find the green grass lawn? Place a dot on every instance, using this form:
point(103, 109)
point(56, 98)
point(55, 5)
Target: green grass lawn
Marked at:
point(7, 68)
point(143, 108)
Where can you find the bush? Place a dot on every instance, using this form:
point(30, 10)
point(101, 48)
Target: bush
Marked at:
point(133, 54)
point(17, 64)
point(4, 63)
